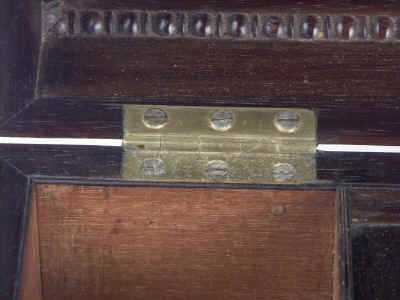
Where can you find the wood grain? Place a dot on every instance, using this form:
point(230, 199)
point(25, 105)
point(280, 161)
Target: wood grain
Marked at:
point(376, 262)
point(105, 163)
point(170, 243)
point(14, 189)
point(62, 118)
point(248, 72)
point(375, 235)
point(355, 167)
point(19, 54)
point(375, 206)
point(68, 119)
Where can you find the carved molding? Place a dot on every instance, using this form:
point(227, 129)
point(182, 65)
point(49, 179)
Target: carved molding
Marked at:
point(236, 26)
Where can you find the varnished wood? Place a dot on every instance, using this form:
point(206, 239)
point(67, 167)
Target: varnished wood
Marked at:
point(376, 264)
point(60, 84)
point(344, 167)
point(334, 75)
point(102, 242)
point(375, 235)
point(20, 32)
point(31, 283)
point(64, 118)
point(375, 206)
point(14, 199)
point(105, 163)
point(319, 74)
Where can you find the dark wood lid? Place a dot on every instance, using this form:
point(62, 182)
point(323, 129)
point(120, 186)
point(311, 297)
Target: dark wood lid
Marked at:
point(68, 66)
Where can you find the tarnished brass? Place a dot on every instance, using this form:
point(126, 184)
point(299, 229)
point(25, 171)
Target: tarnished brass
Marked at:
point(219, 144)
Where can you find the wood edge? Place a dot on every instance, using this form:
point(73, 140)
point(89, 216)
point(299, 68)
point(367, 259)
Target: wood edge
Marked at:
point(346, 245)
point(336, 252)
point(20, 44)
point(14, 194)
point(31, 283)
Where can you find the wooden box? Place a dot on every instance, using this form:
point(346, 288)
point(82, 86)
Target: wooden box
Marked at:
point(77, 222)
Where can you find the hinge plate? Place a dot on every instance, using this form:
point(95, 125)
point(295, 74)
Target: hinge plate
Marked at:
point(219, 144)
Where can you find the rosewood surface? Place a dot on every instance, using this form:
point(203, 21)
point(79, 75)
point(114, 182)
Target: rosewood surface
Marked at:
point(375, 235)
point(45, 70)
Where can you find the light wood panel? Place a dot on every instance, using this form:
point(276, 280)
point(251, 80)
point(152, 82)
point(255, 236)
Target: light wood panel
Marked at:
point(180, 243)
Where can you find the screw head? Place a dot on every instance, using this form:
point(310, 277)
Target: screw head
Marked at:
point(155, 118)
point(153, 167)
point(284, 172)
point(287, 121)
point(221, 120)
point(217, 170)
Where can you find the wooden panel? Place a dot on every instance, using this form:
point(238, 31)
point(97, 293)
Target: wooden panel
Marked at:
point(19, 54)
point(358, 167)
point(375, 234)
point(104, 163)
point(375, 206)
point(195, 71)
point(359, 126)
point(72, 119)
point(90, 119)
point(14, 189)
point(376, 262)
point(65, 161)
point(31, 287)
point(179, 243)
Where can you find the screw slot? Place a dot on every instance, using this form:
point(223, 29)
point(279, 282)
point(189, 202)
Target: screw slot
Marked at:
point(155, 118)
point(217, 170)
point(284, 173)
point(221, 120)
point(153, 168)
point(287, 121)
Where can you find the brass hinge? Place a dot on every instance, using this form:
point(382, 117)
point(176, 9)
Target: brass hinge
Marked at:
point(219, 144)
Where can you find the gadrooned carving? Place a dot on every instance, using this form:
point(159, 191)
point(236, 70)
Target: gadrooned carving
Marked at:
point(236, 26)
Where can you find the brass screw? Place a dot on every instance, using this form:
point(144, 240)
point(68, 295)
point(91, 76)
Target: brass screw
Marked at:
point(222, 120)
point(284, 172)
point(155, 118)
point(153, 168)
point(217, 169)
point(287, 121)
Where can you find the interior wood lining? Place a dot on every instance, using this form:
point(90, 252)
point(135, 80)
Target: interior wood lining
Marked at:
point(100, 242)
